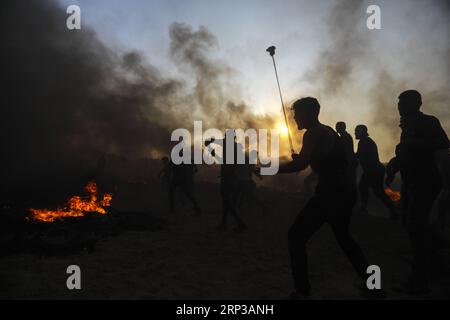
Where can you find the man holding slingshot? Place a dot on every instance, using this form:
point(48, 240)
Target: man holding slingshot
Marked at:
point(332, 201)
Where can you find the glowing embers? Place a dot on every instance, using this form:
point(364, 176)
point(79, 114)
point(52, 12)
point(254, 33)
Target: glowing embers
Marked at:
point(394, 195)
point(76, 206)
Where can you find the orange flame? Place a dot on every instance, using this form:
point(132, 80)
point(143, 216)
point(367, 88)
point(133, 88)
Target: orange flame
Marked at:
point(394, 195)
point(76, 206)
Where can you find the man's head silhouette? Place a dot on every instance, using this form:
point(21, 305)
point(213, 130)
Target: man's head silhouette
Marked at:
point(361, 131)
point(409, 103)
point(341, 127)
point(306, 112)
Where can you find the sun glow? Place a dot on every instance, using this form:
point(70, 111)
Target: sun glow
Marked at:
point(283, 130)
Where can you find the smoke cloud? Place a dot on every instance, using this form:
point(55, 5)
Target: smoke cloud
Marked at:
point(215, 99)
point(360, 72)
point(68, 98)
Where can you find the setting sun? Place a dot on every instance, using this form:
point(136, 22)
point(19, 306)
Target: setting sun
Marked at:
point(282, 129)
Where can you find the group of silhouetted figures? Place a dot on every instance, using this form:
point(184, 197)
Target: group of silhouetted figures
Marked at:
point(421, 158)
point(236, 184)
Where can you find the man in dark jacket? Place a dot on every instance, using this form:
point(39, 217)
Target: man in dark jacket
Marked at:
point(332, 202)
point(373, 171)
point(422, 136)
point(182, 177)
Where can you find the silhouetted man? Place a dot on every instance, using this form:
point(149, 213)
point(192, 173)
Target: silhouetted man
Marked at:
point(230, 185)
point(182, 177)
point(247, 186)
point(332, 202)
point(347, 141)
point(422, 135)
point(373, 171)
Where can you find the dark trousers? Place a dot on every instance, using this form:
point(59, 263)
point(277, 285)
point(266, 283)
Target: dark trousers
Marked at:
point(374, 181)
point(187, 189)
point(326, 208)
point(417, 205)
point(230, 200)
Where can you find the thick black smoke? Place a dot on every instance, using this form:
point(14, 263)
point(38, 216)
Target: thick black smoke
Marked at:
point(215, 98)
point(67, 98)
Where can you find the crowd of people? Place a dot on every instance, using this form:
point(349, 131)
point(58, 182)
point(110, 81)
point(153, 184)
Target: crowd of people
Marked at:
point(421, 159)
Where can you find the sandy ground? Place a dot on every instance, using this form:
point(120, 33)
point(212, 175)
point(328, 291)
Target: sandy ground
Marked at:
point(190, 259)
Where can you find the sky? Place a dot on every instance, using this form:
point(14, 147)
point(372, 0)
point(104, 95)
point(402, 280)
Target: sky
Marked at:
point(140, 69)
point(244, 30)
point(412, 43)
